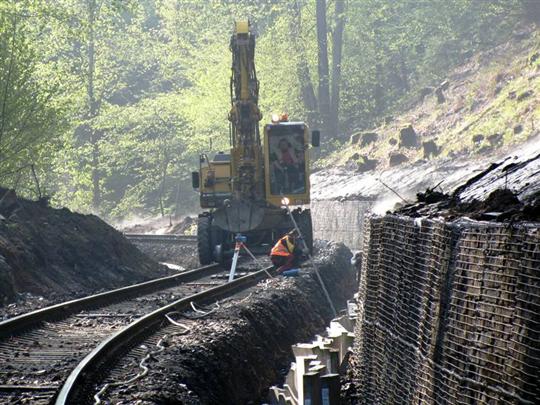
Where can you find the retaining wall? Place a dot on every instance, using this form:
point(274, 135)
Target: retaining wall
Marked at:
point(340, 221)
point(449, 313)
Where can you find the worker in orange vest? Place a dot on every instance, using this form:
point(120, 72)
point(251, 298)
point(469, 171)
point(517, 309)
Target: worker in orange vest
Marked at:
point(285, 254)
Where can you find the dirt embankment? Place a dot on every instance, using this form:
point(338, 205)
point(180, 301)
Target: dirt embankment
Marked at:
point(234, 355)
point(58, 254)
point(508, 190)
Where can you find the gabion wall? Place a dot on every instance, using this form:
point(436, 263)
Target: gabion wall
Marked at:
point(449, 313)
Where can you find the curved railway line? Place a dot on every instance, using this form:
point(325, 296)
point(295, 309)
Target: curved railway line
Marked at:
point(68, 342)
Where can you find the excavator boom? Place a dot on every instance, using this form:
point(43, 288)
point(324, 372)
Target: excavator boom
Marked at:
point(245, 116)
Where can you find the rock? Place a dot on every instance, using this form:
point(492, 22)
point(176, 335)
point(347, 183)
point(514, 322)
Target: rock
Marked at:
point(408, 137)
point(511, 95)
point(355, 156)
point(363, 138)
point(477, 139)
point(368, 137)
point(397, 158)
point(495, 139)
point(355, 138)
point(392, 141)
point(439, 92)
point(426, 91)
point(518, 129)
point(524, 95)
point(440, 96)
point(534, 57)
point(431, 149)
point(367, 164)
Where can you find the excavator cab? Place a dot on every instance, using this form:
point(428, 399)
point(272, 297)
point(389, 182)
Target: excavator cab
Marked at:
point(286, 162)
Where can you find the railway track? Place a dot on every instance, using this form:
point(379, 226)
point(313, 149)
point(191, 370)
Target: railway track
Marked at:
point(166, 239)
point(39, 350)
point(106, 363)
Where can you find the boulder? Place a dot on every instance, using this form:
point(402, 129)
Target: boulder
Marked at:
point(495, 139)
point(396, 158)
point(408, 137)
point(439, 92)
point(477, 139)
point(518, 129)
point(368, 137)
point(366, 164)
point(431, 149)
point(392, 141)
point(524, 95)
point(426, 91)
point(355, 138)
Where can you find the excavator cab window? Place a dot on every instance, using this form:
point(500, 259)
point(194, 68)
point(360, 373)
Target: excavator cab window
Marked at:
point(287, 150)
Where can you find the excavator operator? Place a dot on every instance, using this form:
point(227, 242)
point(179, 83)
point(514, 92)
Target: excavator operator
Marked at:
point(286, 254)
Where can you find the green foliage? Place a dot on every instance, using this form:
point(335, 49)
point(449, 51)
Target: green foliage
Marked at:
point(124, 95)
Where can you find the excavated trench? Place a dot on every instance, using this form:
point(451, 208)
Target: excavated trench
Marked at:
point(234, 354)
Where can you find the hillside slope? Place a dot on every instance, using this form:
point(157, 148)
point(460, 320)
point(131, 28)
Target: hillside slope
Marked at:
point(491, 102)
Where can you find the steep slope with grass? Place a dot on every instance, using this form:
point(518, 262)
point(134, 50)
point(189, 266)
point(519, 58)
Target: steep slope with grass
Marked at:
point(491, 102)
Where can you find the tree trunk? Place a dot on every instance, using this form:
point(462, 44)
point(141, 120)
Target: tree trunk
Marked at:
point(304, 77)
point(324, 91)
point(92, 106)
point(162, 186)
point(337, 47)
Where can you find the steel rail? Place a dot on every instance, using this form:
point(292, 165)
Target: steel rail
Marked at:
point(22, 322)
point(116, 345)
point(151, 238)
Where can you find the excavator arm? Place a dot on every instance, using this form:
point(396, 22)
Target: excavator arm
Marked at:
point(246, 152)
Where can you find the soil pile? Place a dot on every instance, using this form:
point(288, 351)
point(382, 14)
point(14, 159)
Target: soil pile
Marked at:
point(58, 253)
point(508, 190)
point(500, 206)
point(233, 355)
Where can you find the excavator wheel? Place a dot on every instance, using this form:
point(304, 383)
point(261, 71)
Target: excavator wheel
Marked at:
point(303, 220)
point(204, 240)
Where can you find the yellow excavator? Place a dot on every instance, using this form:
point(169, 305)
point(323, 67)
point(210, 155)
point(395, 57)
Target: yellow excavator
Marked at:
point(251, 190)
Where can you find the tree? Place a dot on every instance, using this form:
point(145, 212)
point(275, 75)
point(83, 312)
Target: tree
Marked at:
point(337, 48)
point(324, 91)
point(27, 114)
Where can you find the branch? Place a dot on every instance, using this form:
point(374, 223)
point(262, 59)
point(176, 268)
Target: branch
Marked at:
point(8, 79)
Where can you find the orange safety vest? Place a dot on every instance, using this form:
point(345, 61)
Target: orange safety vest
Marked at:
point(284, 247)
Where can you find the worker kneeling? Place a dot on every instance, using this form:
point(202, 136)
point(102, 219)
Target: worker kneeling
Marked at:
point(286, 254)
